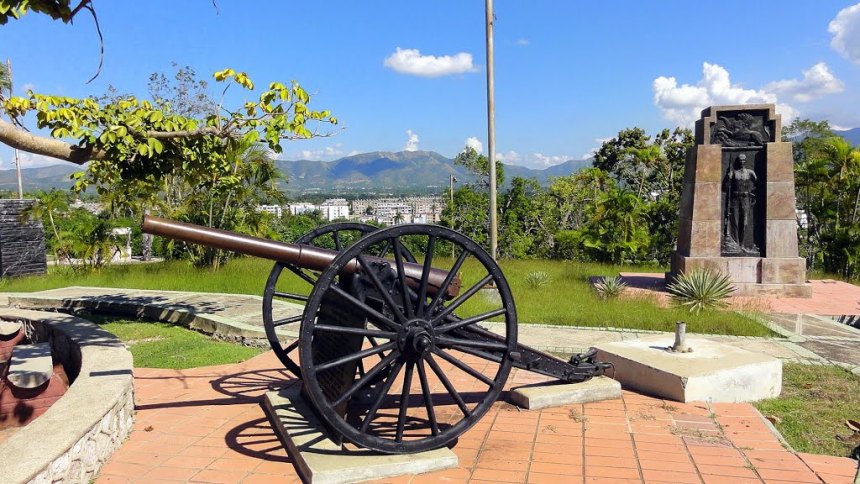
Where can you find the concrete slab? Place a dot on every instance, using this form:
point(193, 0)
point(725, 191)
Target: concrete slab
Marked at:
point(31, 365)
point(546, 395)
point(714, 371)
point(319, 460)
point(9, 328)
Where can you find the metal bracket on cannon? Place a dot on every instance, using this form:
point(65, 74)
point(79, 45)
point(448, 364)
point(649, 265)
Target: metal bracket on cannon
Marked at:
point(391, 352)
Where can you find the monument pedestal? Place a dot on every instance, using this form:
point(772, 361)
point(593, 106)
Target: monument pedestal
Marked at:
point(737, 213)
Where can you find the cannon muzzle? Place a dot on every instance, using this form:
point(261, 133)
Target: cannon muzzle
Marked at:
point(299, 255)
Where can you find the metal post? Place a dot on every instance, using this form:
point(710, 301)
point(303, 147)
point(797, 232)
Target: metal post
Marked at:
point(453, 256)
point(17, 158)
point(491, 130)
point(680, 345)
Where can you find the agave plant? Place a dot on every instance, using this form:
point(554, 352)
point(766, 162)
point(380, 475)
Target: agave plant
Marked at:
point(538, 279)
point(701, 289)
point(609, 287)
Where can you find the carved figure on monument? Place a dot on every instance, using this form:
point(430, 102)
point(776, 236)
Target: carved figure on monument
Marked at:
point(739, 186)
point(742, 130)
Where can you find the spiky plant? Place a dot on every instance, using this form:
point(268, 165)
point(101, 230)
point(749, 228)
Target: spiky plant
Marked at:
point(701, 289)
point(609, 287)
point(538, 279)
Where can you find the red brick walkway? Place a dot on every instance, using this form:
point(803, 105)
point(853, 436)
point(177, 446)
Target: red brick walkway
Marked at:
point(206, 425)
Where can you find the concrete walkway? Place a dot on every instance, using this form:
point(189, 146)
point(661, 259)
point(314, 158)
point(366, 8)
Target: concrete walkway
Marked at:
point(206, 424)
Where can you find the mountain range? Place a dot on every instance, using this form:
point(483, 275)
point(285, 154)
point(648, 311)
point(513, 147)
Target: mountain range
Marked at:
point(378, 171)
point(400, 171)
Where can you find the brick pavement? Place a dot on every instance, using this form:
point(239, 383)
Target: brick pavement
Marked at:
point(206, 425)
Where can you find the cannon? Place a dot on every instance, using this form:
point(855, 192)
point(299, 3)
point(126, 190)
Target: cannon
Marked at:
point(396, 353)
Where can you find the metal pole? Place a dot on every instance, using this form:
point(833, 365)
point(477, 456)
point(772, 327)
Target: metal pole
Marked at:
point(17, 158)
point(491, 131)
point(453, 256)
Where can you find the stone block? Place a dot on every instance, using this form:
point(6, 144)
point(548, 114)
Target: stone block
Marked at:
point(709, 164)
point(713, 264)
point(705, 238)
point(706, 201)
point(781, 238)
point(546, 395)
point(685, 228)
point(774, 290)
point(780, 162)
point(713, 371)
point(780, 202)
point(685, 208)
point(319, 460)
point(744, 269)
point(790, 270)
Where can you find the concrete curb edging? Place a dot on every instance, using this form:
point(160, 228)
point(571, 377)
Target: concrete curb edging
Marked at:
point(214, 324)
point(77, 435)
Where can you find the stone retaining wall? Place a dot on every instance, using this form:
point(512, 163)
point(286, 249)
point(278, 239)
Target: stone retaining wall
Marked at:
point(77, 435)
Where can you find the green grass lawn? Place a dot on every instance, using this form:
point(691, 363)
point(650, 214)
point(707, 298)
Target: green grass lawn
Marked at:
point(567, 300)
point(815, 404)
point(160, 345)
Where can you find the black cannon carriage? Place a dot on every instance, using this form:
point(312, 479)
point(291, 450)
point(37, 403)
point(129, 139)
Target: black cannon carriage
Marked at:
point(396, 353)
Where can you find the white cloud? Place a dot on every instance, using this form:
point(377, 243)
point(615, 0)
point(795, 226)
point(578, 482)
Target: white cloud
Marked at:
point(412, 141)
point(510, 158)
point(590, 153)
point(522, 41)
point(541, 160)
point(817, 81)
point(475, 144)
point(683, 104)
point(846, 33)
point(410, 61)
point(27, 87)
point(327, 153)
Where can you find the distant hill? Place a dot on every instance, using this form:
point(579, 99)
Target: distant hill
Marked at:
point(852, 135)
point(403, 170)
point(42, 178)
point(382, 171)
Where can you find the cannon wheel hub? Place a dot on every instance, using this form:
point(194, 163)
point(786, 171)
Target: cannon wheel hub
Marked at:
point(416, 338)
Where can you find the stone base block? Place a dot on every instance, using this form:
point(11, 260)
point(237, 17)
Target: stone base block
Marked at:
point(773, 290)
point(713, 372)
point(545, 395)
point(751, 276)
point(319, 460)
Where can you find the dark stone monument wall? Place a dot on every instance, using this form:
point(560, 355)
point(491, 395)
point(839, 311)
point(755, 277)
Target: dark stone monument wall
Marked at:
point(22, 243)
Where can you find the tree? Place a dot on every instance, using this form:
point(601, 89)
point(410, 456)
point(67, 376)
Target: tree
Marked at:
point(137, 139)
point(479, 166)
point(62, 10)
point(49, 204)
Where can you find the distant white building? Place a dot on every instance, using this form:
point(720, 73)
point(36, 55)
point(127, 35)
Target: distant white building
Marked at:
point(335, 208)
point(392, 211)
point(300, 208)
point(272, 209)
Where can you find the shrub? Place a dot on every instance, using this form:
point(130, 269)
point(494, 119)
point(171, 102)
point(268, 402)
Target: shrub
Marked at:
point(701, 289)
point(538, 279)
point(609, 287)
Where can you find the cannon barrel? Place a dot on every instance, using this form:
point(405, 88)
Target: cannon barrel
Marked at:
point(300, 255)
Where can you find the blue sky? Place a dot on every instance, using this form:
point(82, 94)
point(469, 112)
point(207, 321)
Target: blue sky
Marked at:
point(568, 73)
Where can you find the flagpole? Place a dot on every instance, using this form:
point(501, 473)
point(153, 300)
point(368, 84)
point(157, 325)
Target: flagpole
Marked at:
point(491, 130)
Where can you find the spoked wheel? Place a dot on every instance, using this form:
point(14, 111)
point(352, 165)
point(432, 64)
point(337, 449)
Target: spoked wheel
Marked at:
point(334, 236)
point(384, 358)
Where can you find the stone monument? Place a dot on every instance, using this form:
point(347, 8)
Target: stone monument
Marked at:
point(737, 213)
point(22, 240)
